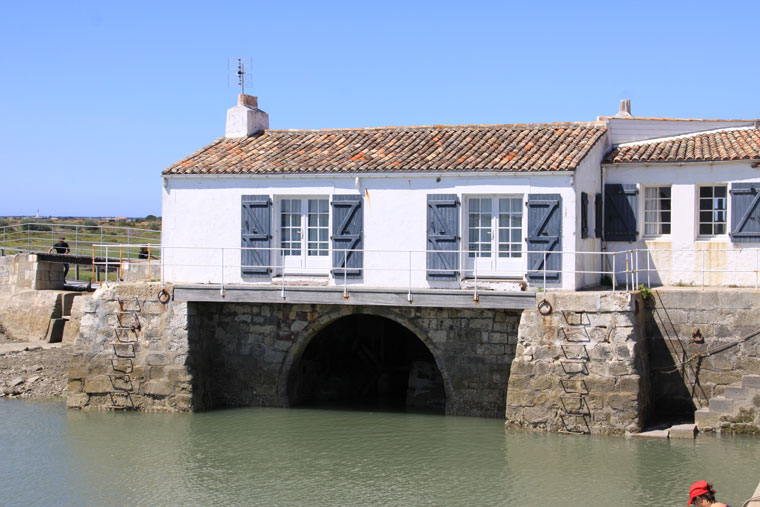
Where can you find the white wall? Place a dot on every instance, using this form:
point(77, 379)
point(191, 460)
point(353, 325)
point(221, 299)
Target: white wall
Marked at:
point(685, 266)
point(204, 213)
point(627, 130)
point(588, 178)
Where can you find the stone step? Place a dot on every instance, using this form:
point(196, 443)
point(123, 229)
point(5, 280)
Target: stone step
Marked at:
point(683, 431)
point(752, 381)
point(721, 404)
point(704, 418)
point(738, 393)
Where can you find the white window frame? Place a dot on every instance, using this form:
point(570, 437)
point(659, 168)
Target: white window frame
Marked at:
point(658, 224)
point(304, 262)
point(494, 265)
point(727, 219)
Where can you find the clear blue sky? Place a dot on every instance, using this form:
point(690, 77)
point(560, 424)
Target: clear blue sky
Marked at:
point(97, 98)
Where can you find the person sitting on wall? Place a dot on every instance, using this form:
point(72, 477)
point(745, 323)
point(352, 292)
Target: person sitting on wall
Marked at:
point(145, 253)
point(62, 248)
point(702, 494)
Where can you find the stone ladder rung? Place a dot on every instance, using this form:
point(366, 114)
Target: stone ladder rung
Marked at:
point(575, 337)
point(580, 386)
point(579, 405)
point(580, 354)
point(124, 359)
point(125, 395)
point(130, 354)
point(576, 428)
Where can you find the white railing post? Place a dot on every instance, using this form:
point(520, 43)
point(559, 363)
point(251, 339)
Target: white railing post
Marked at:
point(649, 269)
point(757, 265)
point(28, 237)
point(163, 264)
point(409, 296)
point(544, 270)
point(282, 275)
point(614, 270)
point(345, 274)
point(221, 288)
point(703, 269)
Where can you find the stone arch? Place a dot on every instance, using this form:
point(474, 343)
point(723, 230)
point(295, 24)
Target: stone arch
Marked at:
point(314, 327)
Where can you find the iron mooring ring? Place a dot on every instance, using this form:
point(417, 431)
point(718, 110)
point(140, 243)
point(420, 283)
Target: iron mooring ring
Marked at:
point(544, 307)
point(163, 296)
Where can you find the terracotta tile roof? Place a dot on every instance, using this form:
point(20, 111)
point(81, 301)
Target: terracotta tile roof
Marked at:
point(717, 145)
point(529, 147)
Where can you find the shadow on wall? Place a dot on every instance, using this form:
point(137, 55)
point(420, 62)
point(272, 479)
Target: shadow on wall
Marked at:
point(237, 353)
point(675, 385)
point(367, 361)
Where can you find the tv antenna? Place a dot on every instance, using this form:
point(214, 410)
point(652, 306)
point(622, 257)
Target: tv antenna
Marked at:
point(239, 72)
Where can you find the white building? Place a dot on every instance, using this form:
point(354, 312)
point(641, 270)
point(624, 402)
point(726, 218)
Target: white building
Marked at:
point(449, 207)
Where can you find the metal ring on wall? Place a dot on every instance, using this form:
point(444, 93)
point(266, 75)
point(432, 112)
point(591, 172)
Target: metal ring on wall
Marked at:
point(544, 307)
point(164, 296)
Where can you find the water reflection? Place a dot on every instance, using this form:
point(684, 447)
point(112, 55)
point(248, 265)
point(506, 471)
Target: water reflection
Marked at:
point(321, 457)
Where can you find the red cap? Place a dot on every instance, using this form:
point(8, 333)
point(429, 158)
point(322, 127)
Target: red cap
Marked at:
point(699, 488)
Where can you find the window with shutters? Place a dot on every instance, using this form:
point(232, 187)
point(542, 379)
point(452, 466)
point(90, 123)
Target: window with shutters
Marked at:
point(495, 234)
point(303, 233)
point(712, 210)
point(656, 211)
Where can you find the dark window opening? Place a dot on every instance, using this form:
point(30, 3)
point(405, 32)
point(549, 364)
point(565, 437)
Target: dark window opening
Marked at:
point(367, 362)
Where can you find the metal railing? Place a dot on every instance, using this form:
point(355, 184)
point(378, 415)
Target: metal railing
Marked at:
point(219, 265)
point(622, 270)
point(31, 237)
point(39, 237)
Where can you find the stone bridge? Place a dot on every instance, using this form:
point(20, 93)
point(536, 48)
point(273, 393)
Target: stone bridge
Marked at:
point(138, 353)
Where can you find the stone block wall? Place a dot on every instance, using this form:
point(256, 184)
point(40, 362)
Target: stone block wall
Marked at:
point(581, 367)
point(685, 323)
point(242, 353)
point(141, 271)
point(24, 272)
point(151, 375)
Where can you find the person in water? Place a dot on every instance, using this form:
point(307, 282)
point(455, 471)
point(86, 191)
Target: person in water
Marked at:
point(702, 494)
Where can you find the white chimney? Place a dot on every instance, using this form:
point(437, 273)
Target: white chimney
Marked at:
point(625, 109)
point(246, 118)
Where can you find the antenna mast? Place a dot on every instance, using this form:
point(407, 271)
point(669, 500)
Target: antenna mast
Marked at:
point(240, 72)
point(241, 75)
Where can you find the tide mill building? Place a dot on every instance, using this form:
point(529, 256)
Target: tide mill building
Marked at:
point(444, 267)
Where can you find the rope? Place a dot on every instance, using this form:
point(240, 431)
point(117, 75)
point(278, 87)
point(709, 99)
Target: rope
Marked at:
point(754, 498)
point(702, 355)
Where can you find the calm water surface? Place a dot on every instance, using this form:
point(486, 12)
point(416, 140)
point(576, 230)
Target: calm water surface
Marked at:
point(263, 456)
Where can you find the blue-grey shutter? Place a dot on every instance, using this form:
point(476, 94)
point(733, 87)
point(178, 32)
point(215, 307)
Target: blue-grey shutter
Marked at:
point(598, 215)
point(442, 236)
point(584, 215)
point(256, 233)
point(745, 212)
point(544, 235)
point(620, 212)
point(347, 224)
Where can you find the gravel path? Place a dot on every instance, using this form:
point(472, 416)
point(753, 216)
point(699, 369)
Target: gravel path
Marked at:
point(33, 369)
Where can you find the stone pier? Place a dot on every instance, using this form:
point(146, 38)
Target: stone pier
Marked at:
point(581, 365)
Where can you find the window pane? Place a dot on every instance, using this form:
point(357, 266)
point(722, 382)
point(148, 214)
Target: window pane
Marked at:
point(712, 210)
point(317, 227)
point(656, 211)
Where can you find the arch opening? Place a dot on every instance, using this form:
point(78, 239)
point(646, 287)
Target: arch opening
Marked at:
point(367, 362)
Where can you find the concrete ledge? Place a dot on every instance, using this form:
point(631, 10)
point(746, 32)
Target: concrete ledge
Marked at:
point(356, 296)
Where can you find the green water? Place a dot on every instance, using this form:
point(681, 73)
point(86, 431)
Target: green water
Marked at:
point(262, 456)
